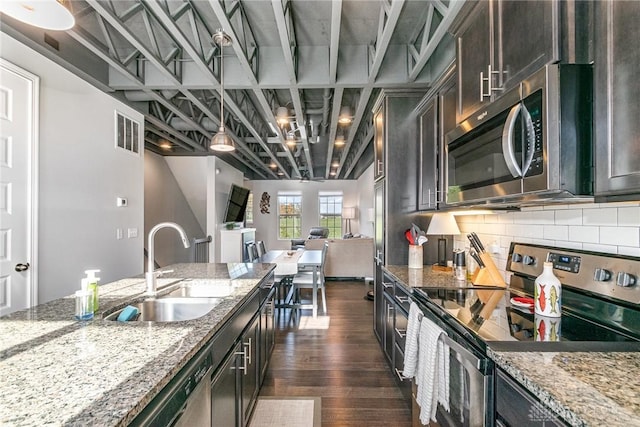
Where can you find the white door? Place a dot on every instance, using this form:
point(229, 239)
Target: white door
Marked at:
point(18, 133)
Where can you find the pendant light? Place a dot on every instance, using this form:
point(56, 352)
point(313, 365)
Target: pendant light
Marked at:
point(47, 14)
point(221, 141)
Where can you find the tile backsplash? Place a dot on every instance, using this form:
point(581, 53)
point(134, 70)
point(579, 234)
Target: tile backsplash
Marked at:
point(607, 227)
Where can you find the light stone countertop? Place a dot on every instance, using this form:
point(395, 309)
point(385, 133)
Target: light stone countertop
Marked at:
point(58, 371)
point(583, 388)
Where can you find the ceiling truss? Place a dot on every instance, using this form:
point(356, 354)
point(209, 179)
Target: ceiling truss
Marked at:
point(312, 56)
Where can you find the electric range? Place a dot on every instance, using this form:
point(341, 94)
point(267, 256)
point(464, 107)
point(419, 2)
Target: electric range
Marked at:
point(600, 304)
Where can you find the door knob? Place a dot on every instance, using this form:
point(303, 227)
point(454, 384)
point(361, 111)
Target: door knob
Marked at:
point(22, 267)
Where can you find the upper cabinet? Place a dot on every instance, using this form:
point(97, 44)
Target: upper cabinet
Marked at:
point(499, 43)
point(617, 90)
point(437, 115)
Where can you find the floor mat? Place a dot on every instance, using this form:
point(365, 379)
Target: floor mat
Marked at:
point(277, 411)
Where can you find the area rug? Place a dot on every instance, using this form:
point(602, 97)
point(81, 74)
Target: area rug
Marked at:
point(277, 411)
point(320, 322)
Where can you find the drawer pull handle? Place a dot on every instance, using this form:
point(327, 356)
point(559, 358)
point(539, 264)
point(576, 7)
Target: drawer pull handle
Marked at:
point(400, 375)
point(401, 332)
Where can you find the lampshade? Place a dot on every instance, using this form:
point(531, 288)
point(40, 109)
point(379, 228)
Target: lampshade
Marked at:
point(443, 224)
point(348, 213)
point(221, 141)
point(47, 14)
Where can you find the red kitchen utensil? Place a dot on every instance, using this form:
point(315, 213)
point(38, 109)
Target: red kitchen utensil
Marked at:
point(409, 236)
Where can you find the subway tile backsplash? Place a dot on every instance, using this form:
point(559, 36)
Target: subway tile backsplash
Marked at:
point(611, 228)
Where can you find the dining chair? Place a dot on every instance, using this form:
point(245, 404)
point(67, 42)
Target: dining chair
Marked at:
point(252, 251)
point(304, 280)
point(261, 248)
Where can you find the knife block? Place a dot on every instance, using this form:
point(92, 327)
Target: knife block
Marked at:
point(489, 274)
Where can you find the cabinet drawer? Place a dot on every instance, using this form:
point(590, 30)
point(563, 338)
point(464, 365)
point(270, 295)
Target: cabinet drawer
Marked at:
point(401, 328)
point(402, 296)
point(398, 367)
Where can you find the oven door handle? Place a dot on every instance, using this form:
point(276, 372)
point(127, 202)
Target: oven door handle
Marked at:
point(507, 141)
point(463, 355)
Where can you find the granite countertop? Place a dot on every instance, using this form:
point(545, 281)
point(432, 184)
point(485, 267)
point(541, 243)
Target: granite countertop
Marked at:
point(56, 370)
point(583, 388)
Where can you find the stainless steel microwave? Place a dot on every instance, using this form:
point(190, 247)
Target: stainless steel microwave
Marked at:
point(533, 143)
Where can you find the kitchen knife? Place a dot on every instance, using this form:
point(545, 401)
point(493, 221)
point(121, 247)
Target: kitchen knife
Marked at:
point(478, 241)
point(476, 257)
point(473, 242)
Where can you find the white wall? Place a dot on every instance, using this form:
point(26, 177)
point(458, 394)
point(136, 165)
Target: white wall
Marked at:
point(81, 174)
point(165, 201)
point(608, 227)
point(219, 179)
point(267, 224)
point(365, 201)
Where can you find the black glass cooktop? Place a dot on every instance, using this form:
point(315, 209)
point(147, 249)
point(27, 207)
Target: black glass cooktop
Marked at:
point(489, 318)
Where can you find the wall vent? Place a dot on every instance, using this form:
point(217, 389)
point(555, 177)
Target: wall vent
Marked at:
point(128, 133)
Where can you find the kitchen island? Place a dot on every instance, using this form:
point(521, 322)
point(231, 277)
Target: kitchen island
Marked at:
point(583, 388)
point(56, 370)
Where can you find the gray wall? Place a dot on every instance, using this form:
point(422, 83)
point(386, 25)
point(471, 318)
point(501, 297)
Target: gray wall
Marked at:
point(81, 173)
point(164, 201)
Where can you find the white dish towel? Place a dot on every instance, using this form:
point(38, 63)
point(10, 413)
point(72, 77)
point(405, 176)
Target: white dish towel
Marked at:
point(432, 377)
point(411, 341)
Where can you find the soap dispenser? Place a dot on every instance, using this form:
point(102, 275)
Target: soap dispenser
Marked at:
point(84, 302)
point(92, 286)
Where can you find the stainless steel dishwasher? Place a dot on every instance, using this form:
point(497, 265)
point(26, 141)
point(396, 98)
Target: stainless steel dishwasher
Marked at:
point(186, 400)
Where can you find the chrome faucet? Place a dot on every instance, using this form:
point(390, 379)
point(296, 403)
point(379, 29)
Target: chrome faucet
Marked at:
point(152, 275)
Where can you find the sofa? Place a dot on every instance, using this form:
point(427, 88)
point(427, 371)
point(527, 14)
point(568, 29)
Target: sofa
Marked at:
point(314, 233)
point(348, 258)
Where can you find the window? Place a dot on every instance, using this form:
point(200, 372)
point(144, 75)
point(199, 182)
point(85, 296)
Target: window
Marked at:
point(289, 215)
point(331, 213)
point(127, 133)
point(249, 212)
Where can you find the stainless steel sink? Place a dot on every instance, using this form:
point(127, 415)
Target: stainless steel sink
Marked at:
point(169, 309)
point(203, 289)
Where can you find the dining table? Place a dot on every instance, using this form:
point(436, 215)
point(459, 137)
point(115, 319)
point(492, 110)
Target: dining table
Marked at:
point(290, 263)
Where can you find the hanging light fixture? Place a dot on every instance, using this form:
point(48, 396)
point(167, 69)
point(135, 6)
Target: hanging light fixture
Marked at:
point(221, 141)
point(291, 140)
point(282, 116)
point(47, 14)
point(345, 116)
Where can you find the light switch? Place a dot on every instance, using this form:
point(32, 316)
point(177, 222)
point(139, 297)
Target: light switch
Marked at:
point(121, 202)
point(119, 233)
point(132, 233)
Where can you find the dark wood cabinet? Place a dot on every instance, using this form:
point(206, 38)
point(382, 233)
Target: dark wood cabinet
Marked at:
point(437, 117)
point(616, 92)
point(500, 42)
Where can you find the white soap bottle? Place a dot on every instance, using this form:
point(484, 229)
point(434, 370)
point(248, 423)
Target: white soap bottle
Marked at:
point(92, 286)
point(548, 293)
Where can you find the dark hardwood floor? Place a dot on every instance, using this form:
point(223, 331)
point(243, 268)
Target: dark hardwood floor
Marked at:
point(344, 364)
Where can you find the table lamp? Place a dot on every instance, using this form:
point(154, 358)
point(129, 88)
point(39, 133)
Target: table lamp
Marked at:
point(443, 224)
point(348, 214)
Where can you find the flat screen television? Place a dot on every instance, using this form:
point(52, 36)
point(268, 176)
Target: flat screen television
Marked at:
point(236, 204)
